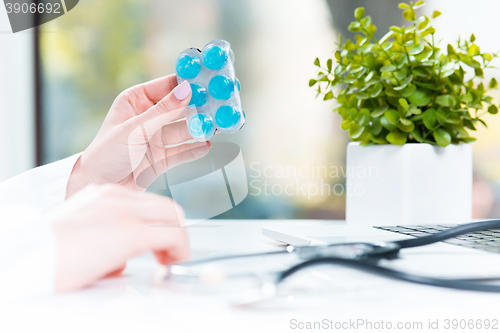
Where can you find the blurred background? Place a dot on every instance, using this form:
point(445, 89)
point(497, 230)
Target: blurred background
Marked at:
point(292, 143)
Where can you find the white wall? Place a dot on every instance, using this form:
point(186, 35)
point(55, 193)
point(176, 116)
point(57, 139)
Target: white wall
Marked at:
point(17, 129)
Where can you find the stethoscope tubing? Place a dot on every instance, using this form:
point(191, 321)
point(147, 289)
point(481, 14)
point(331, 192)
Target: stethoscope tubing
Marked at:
point(367, 262)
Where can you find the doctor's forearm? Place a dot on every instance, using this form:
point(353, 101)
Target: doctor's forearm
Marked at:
point(77, 180)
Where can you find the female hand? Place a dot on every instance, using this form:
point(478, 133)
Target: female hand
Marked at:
point(101, 227)
point(132, 139)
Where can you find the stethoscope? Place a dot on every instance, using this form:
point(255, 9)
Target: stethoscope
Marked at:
point(360, 256)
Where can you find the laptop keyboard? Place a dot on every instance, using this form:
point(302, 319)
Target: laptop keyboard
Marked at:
point(482, 240)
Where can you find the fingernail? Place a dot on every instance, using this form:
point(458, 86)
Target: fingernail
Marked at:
point(159, 276)
point(182, 91)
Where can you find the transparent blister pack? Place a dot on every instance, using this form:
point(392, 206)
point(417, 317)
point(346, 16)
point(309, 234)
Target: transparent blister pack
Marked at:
point(215, 104)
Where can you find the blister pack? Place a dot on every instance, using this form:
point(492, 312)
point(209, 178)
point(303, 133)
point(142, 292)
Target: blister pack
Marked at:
point(215, 102)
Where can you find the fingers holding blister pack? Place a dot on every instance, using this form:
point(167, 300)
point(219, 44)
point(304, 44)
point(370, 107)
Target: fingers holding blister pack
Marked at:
point(215, 103)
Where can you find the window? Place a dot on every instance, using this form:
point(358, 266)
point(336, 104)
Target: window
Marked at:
point(291, 140)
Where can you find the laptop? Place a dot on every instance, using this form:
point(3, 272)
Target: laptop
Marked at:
point(475, 255)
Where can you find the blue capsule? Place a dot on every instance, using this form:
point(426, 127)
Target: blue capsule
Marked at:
point(199, 97)
point(221, 87)
point(188, 67)
point(238, 83)
point(214, 57)
point(227, 117)
point(200, 125)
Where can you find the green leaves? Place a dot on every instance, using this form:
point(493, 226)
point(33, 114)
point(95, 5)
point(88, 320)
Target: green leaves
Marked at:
point(419, 4)
point(422, 25)
point(392, 116)
point(404, 104)
point(493, 109)
point(338, 56)
point(493, 83)
point(388, 68)
point(420, 97)
point(430, 118)
point(366, 22)
point(328, 95)
point(428, 31)
point(417, 135)
point(354, 27)
point(446, 100)
point(397, 137)
point(404, 87)
point(442, 137)
point(329, 63)
point(376, 90)
point(408, 91)
point(386, 37)
point(379, 111)
point(404, 83)
point(359, 13)
point(409, 15)
point(416, 49)
point(406, 125)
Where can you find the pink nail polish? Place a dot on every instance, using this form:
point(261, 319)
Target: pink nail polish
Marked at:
point(182, 91)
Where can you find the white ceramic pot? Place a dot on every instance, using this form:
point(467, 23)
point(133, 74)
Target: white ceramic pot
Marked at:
point(410, 184)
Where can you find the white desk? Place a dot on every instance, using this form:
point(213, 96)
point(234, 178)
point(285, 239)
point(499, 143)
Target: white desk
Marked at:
point(132, 304)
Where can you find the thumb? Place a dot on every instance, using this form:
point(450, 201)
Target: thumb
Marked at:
point(167, 110)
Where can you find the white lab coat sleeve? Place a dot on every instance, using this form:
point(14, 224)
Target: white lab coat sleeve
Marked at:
point(43, 188)
point(28, 245)
point(28, 254)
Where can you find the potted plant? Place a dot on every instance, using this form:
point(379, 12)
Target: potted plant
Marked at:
point(409, 106)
